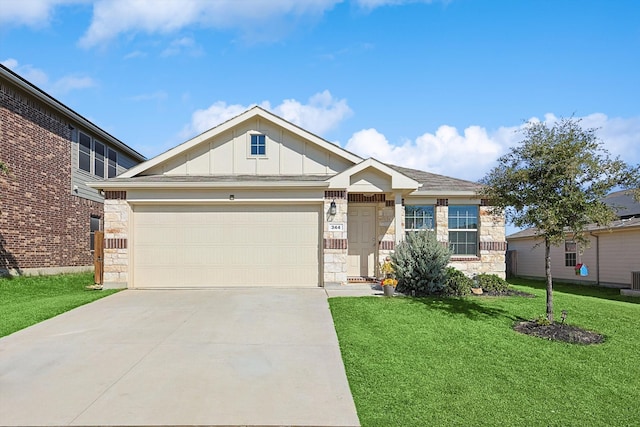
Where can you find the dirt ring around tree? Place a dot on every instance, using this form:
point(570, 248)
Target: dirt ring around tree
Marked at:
point(559, 332)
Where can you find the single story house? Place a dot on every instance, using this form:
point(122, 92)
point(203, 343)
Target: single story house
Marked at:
point(611, 258)
point(48, 214)
point(260, 201)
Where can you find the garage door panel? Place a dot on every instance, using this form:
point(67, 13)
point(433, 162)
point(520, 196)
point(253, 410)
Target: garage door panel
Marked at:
point(193, 246)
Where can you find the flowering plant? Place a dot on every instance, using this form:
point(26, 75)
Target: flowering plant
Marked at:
point(389, 272)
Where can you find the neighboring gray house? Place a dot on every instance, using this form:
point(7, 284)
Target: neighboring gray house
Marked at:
point(612, 256)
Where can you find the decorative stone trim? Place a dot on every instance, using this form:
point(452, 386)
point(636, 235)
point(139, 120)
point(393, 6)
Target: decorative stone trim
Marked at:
point(115, 195)
point(335, 243)
point(115, 243)
point(493, 246)
point(442, 202)
point(333, 194)
point(361, 198)
point(484, 202)
point(474, 258)
point(392, 203)
point(387, 245)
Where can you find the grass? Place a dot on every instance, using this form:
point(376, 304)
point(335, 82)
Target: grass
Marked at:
point(25, 301)
point(457, 362)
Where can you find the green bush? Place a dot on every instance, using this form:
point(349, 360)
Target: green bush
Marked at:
point(491, 283)
point(457, 283)
point(420, 263)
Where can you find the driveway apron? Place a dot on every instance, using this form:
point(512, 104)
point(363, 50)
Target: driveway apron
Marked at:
point(180, 357)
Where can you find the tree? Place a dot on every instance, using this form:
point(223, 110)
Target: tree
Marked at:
point(554, 180)
point(3, 168)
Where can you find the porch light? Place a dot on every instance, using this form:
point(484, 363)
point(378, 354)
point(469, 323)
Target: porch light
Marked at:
point(333, 209)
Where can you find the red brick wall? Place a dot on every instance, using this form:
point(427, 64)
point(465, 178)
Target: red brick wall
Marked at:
point(41, 223)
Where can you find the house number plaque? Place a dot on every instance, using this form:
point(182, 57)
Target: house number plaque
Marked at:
point(336, 227)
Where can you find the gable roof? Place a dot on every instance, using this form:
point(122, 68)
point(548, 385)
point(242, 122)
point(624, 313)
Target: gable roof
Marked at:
point(247, 115)
point(398, 179)
point(62, 109)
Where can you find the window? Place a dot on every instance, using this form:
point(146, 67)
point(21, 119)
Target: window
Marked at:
point(95, 157)
point(463, 230)
point(94, 225)
point(418, 218)
point(258, 145)
point(113, 163)
point(570, 253)
point(84, 153)
point(98, 161)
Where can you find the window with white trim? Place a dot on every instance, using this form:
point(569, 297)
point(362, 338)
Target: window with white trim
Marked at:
point(418, 218)
point(463, 229)
point(258, 145)
point(84, 152)
point(570, 253)
point(113, 163)
point(98, 161)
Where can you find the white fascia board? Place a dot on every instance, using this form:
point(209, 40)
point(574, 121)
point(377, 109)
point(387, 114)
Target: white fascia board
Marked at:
point(398, 181)
point(222, 201)
point(106, 185)
point(249, 114)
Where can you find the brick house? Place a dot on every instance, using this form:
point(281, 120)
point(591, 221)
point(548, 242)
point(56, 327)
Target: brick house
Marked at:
point(259, 201)
point(47, 212)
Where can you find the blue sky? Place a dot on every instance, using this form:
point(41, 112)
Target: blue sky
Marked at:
point(436, 85)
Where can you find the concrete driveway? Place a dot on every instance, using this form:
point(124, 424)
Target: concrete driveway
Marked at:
point(180, 357)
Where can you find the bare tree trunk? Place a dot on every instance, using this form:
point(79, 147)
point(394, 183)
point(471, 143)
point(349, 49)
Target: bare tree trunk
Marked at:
point(547, 272)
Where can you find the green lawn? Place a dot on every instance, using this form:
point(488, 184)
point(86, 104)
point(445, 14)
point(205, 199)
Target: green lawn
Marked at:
point(25, 301)
point(457, 362)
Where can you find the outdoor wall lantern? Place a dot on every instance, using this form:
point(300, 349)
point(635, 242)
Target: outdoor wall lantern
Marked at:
point(333, 209)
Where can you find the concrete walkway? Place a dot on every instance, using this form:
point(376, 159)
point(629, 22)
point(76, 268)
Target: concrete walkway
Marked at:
point(181, 357)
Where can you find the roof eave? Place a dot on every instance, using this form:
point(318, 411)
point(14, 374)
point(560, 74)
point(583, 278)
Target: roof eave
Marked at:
point(127, 185)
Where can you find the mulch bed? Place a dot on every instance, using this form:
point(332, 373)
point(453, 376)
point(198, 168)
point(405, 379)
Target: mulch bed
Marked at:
point(559, 332)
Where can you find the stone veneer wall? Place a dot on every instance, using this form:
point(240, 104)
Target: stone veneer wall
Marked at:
point(386, 231)
point(116, 233)
point(335, 242)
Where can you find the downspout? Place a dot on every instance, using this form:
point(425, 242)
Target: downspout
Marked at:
point(597, 257)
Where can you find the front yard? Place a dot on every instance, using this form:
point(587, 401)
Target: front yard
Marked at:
point(25, 301)
point(446, 362)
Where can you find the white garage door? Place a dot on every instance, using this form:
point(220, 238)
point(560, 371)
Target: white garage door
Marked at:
point(219, 246)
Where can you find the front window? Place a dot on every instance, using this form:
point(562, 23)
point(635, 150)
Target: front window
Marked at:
point(463, 230)
point(417, 218)
point(570, 253)
point(98, 168)
point(258, 145)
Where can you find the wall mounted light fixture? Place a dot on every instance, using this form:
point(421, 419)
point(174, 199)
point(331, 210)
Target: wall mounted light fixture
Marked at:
point(333, 209)
point(232, 197)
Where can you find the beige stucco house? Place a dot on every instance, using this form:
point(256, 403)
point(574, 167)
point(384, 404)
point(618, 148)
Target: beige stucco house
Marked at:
point(612, 257)
point(260, 201)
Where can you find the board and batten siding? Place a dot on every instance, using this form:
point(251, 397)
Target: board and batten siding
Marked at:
point(286, 154)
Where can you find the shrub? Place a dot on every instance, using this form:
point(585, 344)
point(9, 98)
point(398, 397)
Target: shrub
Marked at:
point(491, 283)
point(420, 262)
point(457, 283)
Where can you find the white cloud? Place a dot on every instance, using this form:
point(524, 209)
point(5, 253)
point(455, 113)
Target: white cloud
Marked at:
point(33, 13)
point(372, 4)
point(320, 114)
point(155, 96)
point(472, 153)
point(182, 45)
point(447, 152)
point(39, 78)
point(114, 17)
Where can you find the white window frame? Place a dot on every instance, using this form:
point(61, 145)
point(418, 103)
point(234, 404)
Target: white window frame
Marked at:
point(464, 230)
point(570, 248)
point(250, 145)
point(407, 217)
point(107, 166)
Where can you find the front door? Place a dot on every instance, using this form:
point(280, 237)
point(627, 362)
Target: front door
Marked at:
point(361, 231)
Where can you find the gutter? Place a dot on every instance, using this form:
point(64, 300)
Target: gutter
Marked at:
point(597, 256)
point(106, 185)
